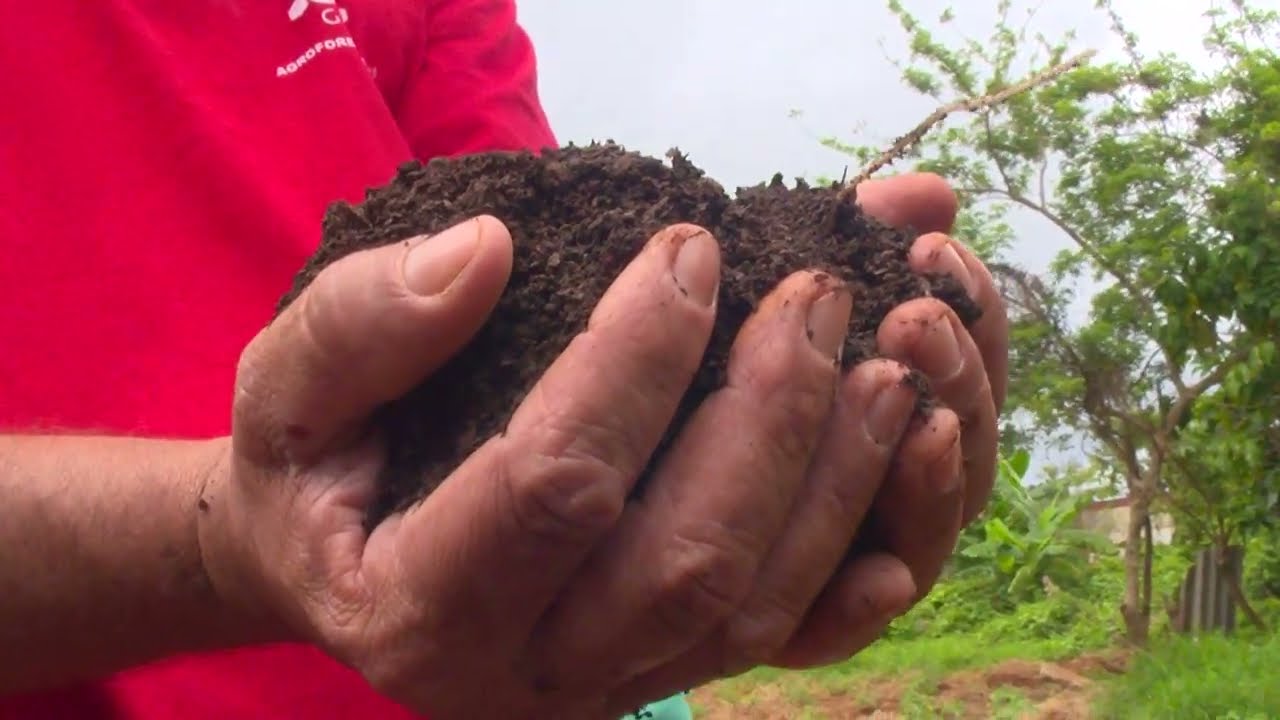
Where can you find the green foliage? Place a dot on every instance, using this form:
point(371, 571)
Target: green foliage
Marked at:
point(1262, 565)
point(1164, 178)
point(966, 610)
point(1208, 677)
point(1028, 540)
point(996, 589)
point(934, 657)
point(1223, 482)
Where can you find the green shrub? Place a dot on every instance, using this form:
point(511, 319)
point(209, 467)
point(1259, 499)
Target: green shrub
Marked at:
point(972, 606)
point(1262, 565)
point(1211, 677)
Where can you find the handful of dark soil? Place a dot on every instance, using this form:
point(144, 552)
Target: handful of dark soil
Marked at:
point(577, 216)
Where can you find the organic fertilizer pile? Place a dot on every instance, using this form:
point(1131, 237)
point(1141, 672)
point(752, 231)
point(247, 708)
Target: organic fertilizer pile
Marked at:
point(577, 216)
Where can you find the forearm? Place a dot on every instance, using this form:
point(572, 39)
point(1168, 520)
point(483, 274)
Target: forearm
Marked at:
point(100, 563)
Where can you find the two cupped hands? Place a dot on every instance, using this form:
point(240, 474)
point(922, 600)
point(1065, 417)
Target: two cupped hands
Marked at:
point(527, 585)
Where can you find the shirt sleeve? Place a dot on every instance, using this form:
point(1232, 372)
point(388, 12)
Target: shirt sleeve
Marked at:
point(475, 88)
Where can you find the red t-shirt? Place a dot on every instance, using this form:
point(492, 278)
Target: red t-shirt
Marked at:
point(164, 167)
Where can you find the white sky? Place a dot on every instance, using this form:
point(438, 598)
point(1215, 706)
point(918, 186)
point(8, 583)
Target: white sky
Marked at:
point(717, 78)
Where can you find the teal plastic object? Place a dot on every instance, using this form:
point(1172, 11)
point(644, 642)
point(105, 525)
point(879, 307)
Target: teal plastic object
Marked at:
point(673, 708)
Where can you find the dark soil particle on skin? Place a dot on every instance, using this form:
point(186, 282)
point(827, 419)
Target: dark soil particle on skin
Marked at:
point(577, 216)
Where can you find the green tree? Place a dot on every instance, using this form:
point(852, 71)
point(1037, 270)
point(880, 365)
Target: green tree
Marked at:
point(1223, 482)
point(1163, 177)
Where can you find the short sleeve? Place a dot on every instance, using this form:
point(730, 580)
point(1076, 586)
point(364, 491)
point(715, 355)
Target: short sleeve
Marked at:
point(475, 88)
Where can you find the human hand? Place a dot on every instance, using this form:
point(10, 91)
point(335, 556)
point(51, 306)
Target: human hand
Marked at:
point(938, 478)
point(969, 376)
point(932, 492)
point(525, 585)
point(442, 617)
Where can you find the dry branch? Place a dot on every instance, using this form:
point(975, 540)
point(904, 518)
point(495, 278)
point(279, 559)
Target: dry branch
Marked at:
point(903, 145)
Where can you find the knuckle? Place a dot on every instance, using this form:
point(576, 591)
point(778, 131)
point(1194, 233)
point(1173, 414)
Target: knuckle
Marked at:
point(705, 578)
point(318, 334)
point(760, 632)
point(610, 411)
point(255, 420)
point(793, 400)
point(801, 414)
point(314, 313)
point(252, 386)
point(792, 415)
point(563, 499)
point(335, 327)
point(612, 438)
point(845, 497)
point(654, 357)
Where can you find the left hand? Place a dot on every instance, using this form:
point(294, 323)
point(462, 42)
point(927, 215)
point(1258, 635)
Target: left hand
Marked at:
point(931, 495)
point(940, 478)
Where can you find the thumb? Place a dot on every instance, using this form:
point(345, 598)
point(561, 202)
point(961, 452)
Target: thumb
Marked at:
point(366, 330)
point(918, 202)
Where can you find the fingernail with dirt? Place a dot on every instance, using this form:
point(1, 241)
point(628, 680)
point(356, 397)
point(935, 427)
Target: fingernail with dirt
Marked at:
point(938, 353)
point(697, 268)
point(433, 265)
point(828, 322)
point(889, 412)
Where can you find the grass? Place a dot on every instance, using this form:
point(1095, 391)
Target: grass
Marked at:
point(915, 665)
point(1213, 677)
point(945, 654)
point(1210, 678)
point(1009, 703)
point(924, 658)
point(933, 661)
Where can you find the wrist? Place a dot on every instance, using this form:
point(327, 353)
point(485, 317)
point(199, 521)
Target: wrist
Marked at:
point(232, 569)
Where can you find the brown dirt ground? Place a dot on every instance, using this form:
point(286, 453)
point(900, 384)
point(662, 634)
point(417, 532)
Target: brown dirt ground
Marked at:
point(1048, 691)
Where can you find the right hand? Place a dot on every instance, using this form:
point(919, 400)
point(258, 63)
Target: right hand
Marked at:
point(457, 607)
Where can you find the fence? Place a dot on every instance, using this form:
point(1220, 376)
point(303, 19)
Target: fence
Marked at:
point(1205, 602)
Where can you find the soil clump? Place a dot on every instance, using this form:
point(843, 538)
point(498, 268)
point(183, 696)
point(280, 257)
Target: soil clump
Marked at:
point(577, 216)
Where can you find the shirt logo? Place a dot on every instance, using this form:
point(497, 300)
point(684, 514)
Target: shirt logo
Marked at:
point(331, 14)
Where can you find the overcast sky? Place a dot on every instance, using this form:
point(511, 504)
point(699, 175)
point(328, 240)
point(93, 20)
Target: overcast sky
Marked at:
point(718, 78)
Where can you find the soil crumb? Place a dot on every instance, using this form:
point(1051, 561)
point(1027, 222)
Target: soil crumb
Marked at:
point(577, 216)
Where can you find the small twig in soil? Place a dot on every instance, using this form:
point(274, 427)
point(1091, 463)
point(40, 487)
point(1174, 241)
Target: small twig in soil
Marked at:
point(904, 144)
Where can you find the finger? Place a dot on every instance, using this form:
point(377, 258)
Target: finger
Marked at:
point(917, 516)
point(876, 403)
point(938, 253)
point(872, 411)
point(852, 613)
point(685, 555)
point(368, 328)
point(520, 513)
point(918, 202)
point(926, 334)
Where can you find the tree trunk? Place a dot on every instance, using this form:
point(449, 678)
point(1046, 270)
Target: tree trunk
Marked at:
point(1137, 617)
point(1233, 586)
point(1148, 560)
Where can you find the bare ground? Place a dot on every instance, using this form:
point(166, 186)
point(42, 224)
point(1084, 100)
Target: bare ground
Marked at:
point(1012, 689)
